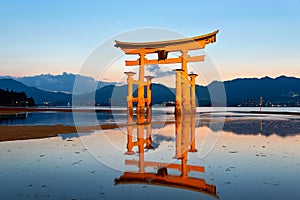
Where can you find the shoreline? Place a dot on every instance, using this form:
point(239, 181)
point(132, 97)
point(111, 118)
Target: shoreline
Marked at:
point(25, 132)
point(4, 110)
point(18, 110)
point(12, 133)
point(275, 112)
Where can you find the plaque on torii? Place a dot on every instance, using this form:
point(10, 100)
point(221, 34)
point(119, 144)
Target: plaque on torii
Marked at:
point(185, 83)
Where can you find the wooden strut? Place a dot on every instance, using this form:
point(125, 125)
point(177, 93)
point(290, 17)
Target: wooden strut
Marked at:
point(166, 61)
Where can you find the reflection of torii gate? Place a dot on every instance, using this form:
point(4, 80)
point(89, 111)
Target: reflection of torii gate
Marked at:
point(185, 142)
point(185, 88)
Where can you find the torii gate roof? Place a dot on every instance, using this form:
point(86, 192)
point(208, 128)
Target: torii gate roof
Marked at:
point(197, 42)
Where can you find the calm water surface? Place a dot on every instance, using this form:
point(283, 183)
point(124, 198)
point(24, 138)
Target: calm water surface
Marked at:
point(248, 157)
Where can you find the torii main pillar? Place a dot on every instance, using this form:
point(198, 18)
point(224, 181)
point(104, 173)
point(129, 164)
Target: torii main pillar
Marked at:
point(185, 83)
point(141, 85)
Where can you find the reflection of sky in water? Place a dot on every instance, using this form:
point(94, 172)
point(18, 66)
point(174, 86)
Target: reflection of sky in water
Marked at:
point(51, 118)
point(66, 118)
point(59, 169)
point(90, 119)
point(245, 163)
point(256, 167)
point(241, 166)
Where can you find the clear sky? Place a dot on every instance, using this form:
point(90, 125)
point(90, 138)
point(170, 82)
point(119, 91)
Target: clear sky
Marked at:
point(257, 38)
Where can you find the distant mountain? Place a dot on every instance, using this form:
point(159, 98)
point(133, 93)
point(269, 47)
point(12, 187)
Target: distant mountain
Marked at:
point(284, 91)
point(246, 92)
point(202, 94)
point(39, 96)
point(59, 83)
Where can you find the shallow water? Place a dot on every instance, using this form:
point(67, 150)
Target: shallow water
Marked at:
point(71, 119)
point(251, 157)
point(51, 118)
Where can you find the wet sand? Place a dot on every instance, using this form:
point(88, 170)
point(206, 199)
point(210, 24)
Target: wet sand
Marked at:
point(10, 133)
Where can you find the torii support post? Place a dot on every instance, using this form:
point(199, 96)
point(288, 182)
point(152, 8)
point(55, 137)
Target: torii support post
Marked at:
point(140, 140)
point(129, 95)
point(129, 134)
point(193, 131)
point(182, 135)
point(149, 93)
point(186, 133)
point(186, 96)
point(178, 136)
point(183, 131)
point(178, 107)
point(148, 137)
point(193, 91)
point(184, 171)
point(141, 84)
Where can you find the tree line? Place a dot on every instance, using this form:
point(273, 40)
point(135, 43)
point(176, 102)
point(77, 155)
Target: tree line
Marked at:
point(12, 98)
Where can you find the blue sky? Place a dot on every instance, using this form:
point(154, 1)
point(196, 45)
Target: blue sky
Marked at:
point(256, 38)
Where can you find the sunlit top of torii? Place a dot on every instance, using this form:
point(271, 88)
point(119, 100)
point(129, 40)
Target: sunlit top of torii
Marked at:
point(192, 43)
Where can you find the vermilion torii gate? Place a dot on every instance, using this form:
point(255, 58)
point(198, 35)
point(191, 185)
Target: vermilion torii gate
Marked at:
point(185, 88)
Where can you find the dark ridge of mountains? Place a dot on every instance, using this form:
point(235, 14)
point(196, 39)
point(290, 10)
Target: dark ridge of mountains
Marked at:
point(246, 92)
point(280, 91)
point(283, 91)
point(39, 96)
point(59, 83)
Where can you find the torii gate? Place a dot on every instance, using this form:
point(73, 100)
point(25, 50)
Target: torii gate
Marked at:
point(185, 88)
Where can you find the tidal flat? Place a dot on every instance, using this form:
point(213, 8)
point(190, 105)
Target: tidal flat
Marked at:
point(213, 154)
